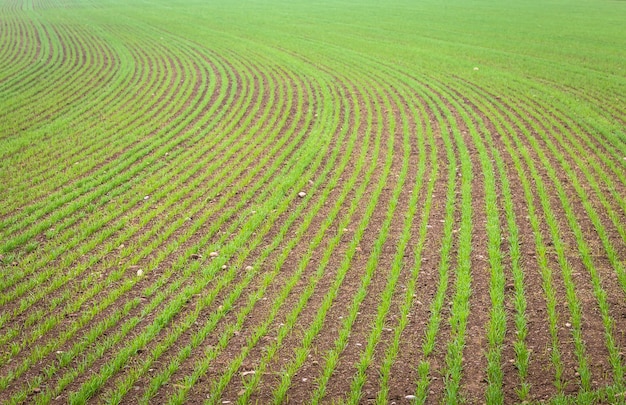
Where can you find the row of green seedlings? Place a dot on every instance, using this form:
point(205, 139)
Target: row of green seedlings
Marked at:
point(499, 330)
point(166, 152)
point(142, 151)
point(71, 70)
point(332, 356)
point(9, 50)
point(320, 237)
point(565, 267)
point(599, 293)
point(159, 90)
point(583, 247)
point(121, 101)
point(181, 262)
point(593, 216)
point(496, 328)
point(301, 353)
point(67, 63)
point(261, 330)
point(149, 247)
point(198, 167)
point(460, 302)
point(11, 7)
point(123, 90)
point(109, 196)
point(408, 302)
point(17, 55)
point(546, 272)
point(436, 306)
point(600, 230)
point(605, 116)
point(44, 181)
point(583, 159)
point(74, 186)
point(228, 331)
point(255, 233)
point(43, 47)
point(137, 131)
point(341, 342)
point(595, 105)
point(603, 146)
point(286, 328)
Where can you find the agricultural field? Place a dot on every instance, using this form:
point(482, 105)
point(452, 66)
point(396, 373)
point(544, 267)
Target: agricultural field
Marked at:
point(272, 201)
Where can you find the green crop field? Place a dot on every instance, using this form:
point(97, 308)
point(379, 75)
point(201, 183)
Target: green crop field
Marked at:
point(297, 201)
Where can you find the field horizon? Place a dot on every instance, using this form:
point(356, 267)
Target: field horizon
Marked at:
point(268, 201)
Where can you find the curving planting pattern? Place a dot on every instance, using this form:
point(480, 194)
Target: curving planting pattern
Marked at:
point(281, 203)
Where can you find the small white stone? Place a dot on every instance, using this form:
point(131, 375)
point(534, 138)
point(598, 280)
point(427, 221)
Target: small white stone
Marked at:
point(301, 194)
point(146, 197)
point(248, 268)
point(410, 397)
point(139, 273)
point(475, 68)
point(213, 254)
point(567, 324)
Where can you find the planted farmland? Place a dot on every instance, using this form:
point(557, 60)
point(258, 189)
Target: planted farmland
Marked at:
point(359, 202)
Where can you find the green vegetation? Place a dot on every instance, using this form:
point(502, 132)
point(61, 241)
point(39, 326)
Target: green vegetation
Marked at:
point(337, 202)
